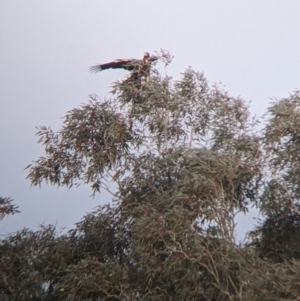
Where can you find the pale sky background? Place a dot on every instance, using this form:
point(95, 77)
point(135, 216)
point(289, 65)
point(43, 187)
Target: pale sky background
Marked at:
point(252, 47)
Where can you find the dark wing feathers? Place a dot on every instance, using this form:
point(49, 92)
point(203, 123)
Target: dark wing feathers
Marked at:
point(95, 68)
point(127, 64)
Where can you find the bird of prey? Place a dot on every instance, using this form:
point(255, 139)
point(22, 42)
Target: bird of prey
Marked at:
point(139, 68)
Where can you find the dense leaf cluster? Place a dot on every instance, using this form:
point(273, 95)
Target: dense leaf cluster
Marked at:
point(185, 157)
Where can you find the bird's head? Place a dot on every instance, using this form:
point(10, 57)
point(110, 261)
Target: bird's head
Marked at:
point(146, 55)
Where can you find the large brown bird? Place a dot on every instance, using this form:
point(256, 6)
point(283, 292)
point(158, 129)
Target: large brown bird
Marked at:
point(139, 68)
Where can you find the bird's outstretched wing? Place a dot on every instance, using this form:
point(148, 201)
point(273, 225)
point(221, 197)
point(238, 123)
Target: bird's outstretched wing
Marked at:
point(127, 64)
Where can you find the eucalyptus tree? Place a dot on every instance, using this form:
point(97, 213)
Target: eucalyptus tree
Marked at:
point(184, 158)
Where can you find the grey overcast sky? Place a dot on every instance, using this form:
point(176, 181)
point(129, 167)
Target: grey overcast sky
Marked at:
point(252, 47)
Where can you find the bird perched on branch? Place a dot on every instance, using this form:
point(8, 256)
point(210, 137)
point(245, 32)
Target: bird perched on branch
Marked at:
point(139, 68)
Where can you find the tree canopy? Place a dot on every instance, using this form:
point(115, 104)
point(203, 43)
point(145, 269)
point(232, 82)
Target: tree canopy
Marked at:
point(185, 157)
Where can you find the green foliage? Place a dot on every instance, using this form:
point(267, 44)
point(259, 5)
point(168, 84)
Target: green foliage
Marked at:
point(6, 207)
point(185, 157)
